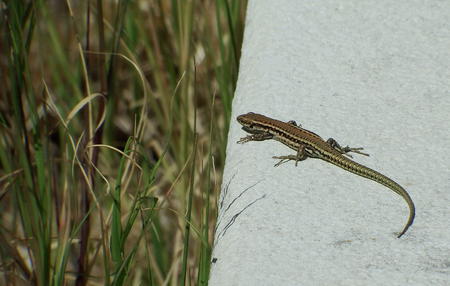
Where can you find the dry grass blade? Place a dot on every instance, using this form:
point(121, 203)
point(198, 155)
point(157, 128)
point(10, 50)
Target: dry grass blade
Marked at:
point(108, 139)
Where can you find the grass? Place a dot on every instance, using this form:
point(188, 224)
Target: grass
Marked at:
point(113, 125)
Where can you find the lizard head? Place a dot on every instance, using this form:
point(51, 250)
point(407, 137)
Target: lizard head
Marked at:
point(252, 122)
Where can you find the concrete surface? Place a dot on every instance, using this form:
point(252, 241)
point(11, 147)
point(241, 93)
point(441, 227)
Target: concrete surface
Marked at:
point(367, 73)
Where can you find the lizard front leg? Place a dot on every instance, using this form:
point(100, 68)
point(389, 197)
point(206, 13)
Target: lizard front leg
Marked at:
point(300, 156)
point(255, 137)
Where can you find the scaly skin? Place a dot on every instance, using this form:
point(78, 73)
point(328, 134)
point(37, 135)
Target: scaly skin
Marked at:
point(310, 145)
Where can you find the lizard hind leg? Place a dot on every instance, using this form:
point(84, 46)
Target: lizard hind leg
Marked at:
point(344, 150)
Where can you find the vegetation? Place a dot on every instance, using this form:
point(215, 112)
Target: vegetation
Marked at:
point(113, 126)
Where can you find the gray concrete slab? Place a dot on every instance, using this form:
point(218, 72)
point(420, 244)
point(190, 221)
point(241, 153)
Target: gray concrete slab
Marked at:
point(367, 73)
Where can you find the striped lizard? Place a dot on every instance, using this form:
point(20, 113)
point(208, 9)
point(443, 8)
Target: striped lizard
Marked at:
point(310, 145)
